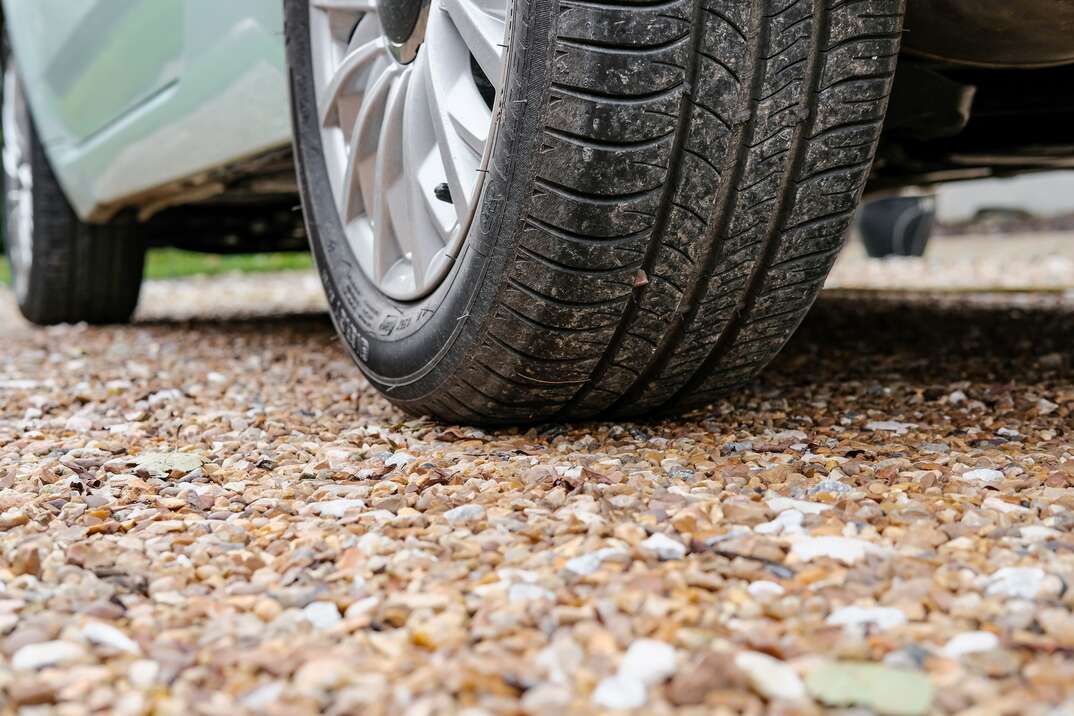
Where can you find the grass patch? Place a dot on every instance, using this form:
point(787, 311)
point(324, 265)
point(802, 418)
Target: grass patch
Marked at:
point(174, 263)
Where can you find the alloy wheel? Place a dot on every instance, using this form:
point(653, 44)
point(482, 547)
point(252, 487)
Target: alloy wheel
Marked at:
point(406, 95)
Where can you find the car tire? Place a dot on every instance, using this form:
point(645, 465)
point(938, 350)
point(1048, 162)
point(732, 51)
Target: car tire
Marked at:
point(897, 226)
point(668, 186)
point(63, 270)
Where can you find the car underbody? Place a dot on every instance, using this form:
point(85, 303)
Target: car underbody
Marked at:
point(980, 91)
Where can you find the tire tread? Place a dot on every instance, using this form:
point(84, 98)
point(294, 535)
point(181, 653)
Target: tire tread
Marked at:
point(704, 165)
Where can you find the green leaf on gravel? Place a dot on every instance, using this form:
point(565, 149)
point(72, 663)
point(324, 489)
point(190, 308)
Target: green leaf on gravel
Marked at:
point(892, 692)
point(165, 463)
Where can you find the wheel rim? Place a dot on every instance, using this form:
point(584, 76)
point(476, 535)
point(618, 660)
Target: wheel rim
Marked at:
point(19, 182)
point(406, 114)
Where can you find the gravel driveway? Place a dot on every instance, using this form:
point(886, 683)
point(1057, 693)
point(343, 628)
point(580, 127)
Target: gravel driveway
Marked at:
point(214, 516)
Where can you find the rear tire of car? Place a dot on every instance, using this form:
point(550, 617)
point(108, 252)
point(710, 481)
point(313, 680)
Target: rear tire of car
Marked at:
point(669, 185)
point(63, 270)
point(897, 226)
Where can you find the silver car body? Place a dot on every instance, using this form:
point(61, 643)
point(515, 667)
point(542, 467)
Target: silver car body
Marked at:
point(132, 96)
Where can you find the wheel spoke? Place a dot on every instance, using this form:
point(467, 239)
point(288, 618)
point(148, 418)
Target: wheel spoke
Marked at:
point(470, 119)
point(359, 179)
point(387, 216)
point(496, 8)
point(483, 34)
point(344, 82)
point(453, 99)
point(422, 167)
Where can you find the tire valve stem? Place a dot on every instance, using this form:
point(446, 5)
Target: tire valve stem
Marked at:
point(442, 192)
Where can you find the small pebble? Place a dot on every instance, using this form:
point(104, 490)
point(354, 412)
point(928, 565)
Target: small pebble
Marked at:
point(847, 550)
point(336, 508)
point(322, 615)
point(880, 618)
point(48, 653)
point(972, 642)
point(891, 426)
point(663, 547)
point(982, 475)
point(464, 513)
point(1020, 582)
point(107, 635)
point(649, 661)
point(619, 692)
point(772, 678)
point(763, 589)
point(587, 564)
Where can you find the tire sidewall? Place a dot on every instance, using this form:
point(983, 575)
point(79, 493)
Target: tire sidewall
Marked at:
point(409, 349)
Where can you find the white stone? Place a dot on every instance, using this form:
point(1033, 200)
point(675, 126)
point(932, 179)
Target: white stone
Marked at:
point(1018, 582)
point(586, 564)
point(379, 516)
point(399, 459)
point(831, 486)
point(982, 474)
point(780, 504)
point(263, 696)
point(960, 543)
point(1038, 533)
point(882, 618)
point(543, 698)
point(47, 653)
point(336, 508)
point(107, 635)
point(994, 503)
point(971, 642)
point(163, 396)
point(763, 589)
point(338, 460)
point(79, 424)
point(362, 607)
point(322, 615)
point(143, 673)
point(662, 547)
point(164, 463)
point(847, 550)
point(561, 659)
point(1046, 407)
point(617, 692)
point(649, 661)
point(889, 426)
point(523, 592)
point(373, 543)
point(772, 678)
point(788, 522)
point(464, 513)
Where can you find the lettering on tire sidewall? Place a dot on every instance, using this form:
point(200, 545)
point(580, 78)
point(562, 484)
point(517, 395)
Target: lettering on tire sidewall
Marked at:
point(361, 322)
